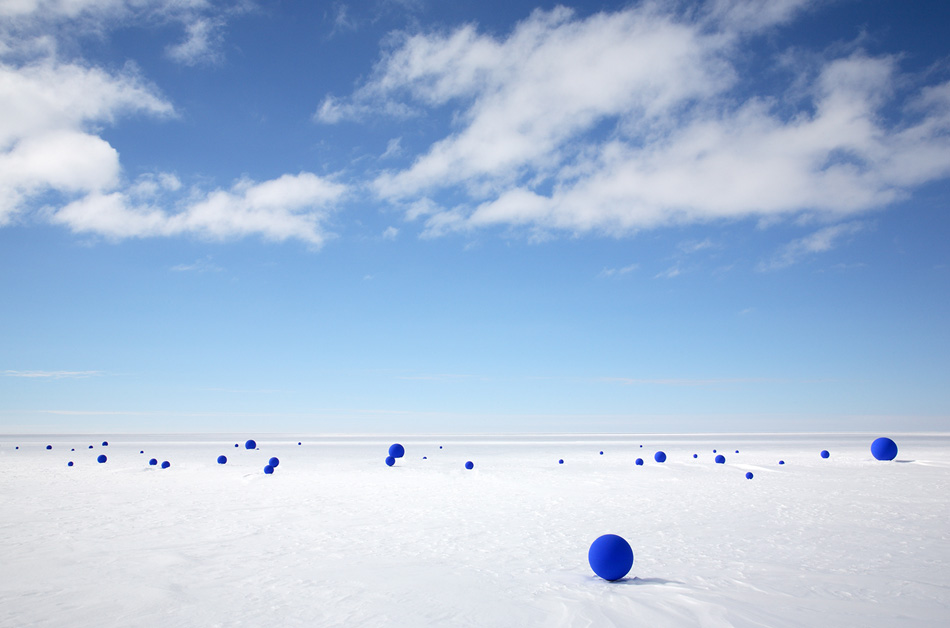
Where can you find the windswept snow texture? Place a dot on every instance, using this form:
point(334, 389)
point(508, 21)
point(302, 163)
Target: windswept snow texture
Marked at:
point(338, 539)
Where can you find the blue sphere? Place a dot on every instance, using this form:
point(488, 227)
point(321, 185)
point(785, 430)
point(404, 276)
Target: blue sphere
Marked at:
point(274, 462)
point(610, 556)
point(748, 475)
point(601, 453)
point(720, 459)
point(102, 458)
point(659, 456)
point(222, 459)
point(714, 451)
point(49, 446)
point(69, 464)
point(153, 462)
point(73, 449)
point(390, 461)
point(397, 451)
point(737, 451)
point(235, 444)
point(695, 456)
point(561, 461)
point(469, 465)
point(142, 452)
point(166, 464)
point(824, 453)
point(268, 469)
point(299, 443)
point(884, 449)
point(639, 462)
point(424, 458)
point(90, 446)
point(250, 444)
point(105, 443)
point(781, 462)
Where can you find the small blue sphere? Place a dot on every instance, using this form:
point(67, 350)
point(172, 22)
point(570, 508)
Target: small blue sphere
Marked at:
point(73, 449)
point(884, 449)
point(695, 456)
point(737, 451)
point(268, 469)
point(781, 462)
point(397, 451)
point(714, 451)
point(235, 444)
point(659, 456)
point(142, 452)
point(720, 459)
point(299, 443)
point(824, 453)
point(166, 464)
point(561, 461)
point(601, 453)
point(69, 464)
point(424, 458)
point(153, 462)
point(274, 462)
point(748, 475)
point(222, 459)
point(639, 462)
point(49, 446)
point(610, 556)
point(469, 465)
point(102, 458)
point(90, 446)
point(105, 443)
point(250, 444)
point(390, 461)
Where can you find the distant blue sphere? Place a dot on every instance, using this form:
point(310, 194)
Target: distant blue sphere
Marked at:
point(299, 443)
point(659, 456)
point(222, 459)
point(561, 461)
point(714, 451)
point(610, 556)
point(424, 458)
point(397, 451)
point(73, 449)
point(737, 451)
point(720, 459)
point(153, 462)
point(274, 462)
point(695, 456)
point(105, 443)
point(390, 461)
point(235, 444)
point(639, 462)
point(142, 452)
point(748, 475)
point(49, 446)
point(884, 449)
point(601, 453)
point(102, 458)
point(440, 446)
point(824, 453)
point(90, 446)
point(781, 462)
point(69, 464)
point(166, 464)
point(250, 444)
point(268, 469)
point(469, 465)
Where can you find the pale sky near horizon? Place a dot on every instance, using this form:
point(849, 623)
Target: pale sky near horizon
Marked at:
point(419, 216)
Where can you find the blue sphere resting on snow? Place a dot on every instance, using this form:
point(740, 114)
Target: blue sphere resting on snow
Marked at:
point(105, 443)
point(639, 462)
point(69, 464)
point(102, 458)
point(222, 459)
point(659, 456)
point(153, 462)
point(250, 444)
point(695, 456)
point(884, 449)
point(748, 475)
point(274, 462)
point(824, 453)
point(397, 451)
point(561, 461)
point(469, 465)
point(610, 556)
point(781, 462)
point(49, 446)
point(390, 461)
point(720, 459)
point(268, 469)
point(166, 464)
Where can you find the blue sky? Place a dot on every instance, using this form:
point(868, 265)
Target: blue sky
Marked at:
point(417, 216)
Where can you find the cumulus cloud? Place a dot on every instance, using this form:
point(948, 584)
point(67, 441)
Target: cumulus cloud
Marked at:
point(636, 119)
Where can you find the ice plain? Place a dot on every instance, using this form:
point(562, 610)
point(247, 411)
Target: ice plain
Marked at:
point(336, 538)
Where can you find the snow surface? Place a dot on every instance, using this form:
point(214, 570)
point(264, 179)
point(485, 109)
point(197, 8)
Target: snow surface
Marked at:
point(335, 537)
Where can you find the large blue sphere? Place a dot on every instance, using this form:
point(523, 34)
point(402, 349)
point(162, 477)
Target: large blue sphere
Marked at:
point(153, 462)
point(720, 459)
point(639, 462)
point(824, 453)
point(222, 459)
point(469, 465)
point(250, 444)
point(748, 475)
point(390, 461)
point(659, 456)
point(274, 462)
point(102, 458)
point(397, 451)
point(610, 556)
point(166, 464)
point(268, 469)
point(884, 449)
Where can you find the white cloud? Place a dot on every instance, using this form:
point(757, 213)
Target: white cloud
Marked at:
point(52, 374)
point(201, 44)
point(614, 272)
point(820, 241)
point(633, 120)
point(289, 207)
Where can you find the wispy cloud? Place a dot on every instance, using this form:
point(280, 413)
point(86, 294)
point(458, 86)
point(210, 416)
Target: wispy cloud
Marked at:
point(201, 265)
point(820, 241)
point(618, 272)
point(686, 147)
point(52, 374)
